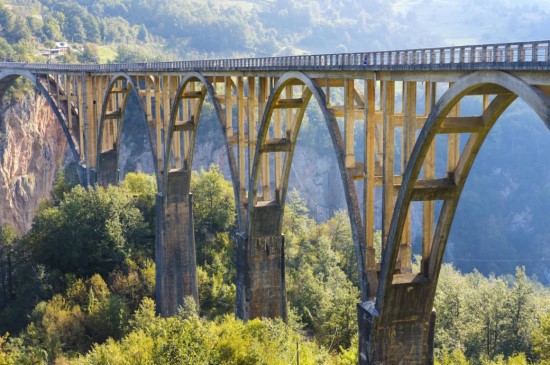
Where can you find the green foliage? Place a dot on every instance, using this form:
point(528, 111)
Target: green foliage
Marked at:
point(318, 288)
point(455, 357)
point(541, 339)
point(60, 187)
point(51, 28)
point(484, 318)
point(342, 242)
point(134, 284)
point(90, 311)
point(143, 190)
point(90, 54)
point(5, 356)
point(88, 307)
point(107, 224)
point(8, 262)
point(21, 284)
point(19, 90)
point(189, 310)
point(191, 340)
point(214, 214)
point(214, 202)
point(129, 54)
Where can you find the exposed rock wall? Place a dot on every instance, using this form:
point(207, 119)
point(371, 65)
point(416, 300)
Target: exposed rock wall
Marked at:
point(32, 144)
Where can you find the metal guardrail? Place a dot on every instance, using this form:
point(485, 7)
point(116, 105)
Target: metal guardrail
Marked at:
point(521, 53)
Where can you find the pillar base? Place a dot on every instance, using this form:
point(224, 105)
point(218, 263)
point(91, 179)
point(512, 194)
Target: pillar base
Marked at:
point(384, 341)
point(261, 290)
point(175, 254)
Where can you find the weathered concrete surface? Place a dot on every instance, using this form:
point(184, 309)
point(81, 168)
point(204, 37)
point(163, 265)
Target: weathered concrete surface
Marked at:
point(108, 168)
point(175, 249)
point(263, 281)
point(403, 333)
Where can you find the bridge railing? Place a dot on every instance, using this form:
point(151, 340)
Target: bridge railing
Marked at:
point(489, 54)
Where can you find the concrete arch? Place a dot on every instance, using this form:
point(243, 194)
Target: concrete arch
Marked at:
point(208, 91)
point(510, 87)
point(175, 250)
point(312, 90)
point(131, 86)
point(7, 77)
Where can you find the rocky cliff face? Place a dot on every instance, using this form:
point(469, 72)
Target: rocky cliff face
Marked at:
point(32, 144)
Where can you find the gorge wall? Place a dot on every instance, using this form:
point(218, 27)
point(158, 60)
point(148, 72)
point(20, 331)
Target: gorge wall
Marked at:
point(32, 146)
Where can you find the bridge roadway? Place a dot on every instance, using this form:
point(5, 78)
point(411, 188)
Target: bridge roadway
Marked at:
point(407, 102)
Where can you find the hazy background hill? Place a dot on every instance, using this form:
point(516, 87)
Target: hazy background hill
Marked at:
point(502, 220)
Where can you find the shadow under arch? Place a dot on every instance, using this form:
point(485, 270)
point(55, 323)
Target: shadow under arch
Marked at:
point(107, 162)
point(8, 77)
point(312, 89)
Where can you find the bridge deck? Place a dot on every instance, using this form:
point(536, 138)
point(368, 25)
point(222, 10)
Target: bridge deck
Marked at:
point(530, 56)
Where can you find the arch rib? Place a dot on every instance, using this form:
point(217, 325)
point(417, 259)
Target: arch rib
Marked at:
point(176, 257)
point(131, 86)
point(533, 96)
point(197, 76)
point(338, 144)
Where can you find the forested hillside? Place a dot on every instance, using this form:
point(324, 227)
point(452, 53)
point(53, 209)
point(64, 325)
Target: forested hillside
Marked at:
point(76, 290)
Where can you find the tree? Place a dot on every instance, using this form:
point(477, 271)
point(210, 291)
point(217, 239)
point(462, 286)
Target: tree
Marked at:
point(19, 30)
point(126, 54)
point(7, 264)
point(61, 187)
point(36, 24)
point(143, 190)
point(90, 54)
point(541, 339)
point(6, 51)
point(75, 29)
point(520, 307)
point(91, 28)
point(92, 228)
point(7, 22)
point(51, 29)
point(342, 243)
point(214, 202)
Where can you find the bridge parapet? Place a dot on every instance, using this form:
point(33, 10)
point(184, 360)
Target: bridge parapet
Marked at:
point(509, 56)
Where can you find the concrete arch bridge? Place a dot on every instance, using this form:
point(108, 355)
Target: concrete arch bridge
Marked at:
point(405, 101)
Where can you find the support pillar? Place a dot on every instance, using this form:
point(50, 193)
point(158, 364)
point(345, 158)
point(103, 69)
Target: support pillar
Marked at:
point(403, 333)
point(261, 288)
point(108, 168)
point(175, 247)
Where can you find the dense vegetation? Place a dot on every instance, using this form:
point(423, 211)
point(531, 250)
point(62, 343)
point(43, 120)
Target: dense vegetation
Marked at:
point(77, 289)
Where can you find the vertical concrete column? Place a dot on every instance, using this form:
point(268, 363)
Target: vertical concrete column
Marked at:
point(403, 333)
point(108, 168)
point(261, 278)
point(175, 246)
